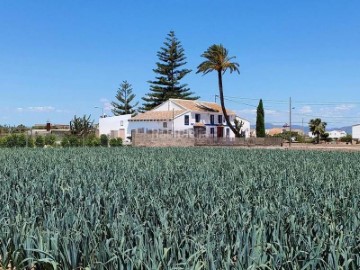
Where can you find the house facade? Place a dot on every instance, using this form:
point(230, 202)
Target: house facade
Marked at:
point(356, 132)
point(198, 118)
point(337, 134)
point(115, 126)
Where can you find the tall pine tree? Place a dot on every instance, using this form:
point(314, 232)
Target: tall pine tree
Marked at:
point(169, 74)
point(125, 97)
point(260, 120)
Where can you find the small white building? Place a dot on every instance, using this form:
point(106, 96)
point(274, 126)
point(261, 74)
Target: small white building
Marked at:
point(188, 116)
point(245, 129)
point(356, 132)
point(337, 134)
point(115, 126)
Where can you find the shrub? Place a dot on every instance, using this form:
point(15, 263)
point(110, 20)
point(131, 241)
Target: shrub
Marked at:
point(65, 142)
point(347, 138)
point(92, 140)
point(50, 139)
point(21, 140)
point(2, 141)
point(115, 142)
point(104, 140)
point(39, 141)
point(31, 142)
point(74, 141)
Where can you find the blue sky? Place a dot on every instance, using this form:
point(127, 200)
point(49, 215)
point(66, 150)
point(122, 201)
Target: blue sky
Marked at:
point(63, 58)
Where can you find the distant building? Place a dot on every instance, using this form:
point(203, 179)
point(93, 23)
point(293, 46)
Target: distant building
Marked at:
point(337, 134)
point(115, 126)
point(274, 131)
point(356, 131)
point(48, 128)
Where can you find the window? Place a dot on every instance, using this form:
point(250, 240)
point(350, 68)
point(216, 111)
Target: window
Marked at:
point(186, 120)
point(212, 132)
point(220, 119)
point(197, 118)
point(227, 132)
point(164, 124)
point(212, 119)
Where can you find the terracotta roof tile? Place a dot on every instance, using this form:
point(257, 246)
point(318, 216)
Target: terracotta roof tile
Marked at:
point(200, 106)
point(157, 115)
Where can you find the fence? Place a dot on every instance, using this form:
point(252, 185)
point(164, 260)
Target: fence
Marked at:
point(188, 138)
point(215, 141)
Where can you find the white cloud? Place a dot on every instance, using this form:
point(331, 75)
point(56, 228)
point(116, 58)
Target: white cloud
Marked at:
point(245, 111)
point(271, 112)
point(41, 109)
point(106, 104)
point(344, 107)
point(305, 109)
point(36, 109)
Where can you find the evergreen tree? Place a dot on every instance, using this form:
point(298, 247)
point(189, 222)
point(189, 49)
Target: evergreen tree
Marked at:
point(169, 74)
point(260, 120)
point(125, 97)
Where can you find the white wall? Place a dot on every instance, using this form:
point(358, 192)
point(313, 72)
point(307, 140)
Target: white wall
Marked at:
point(149, 125)
point(356, 132)
point(107, 124)
point(336, 134)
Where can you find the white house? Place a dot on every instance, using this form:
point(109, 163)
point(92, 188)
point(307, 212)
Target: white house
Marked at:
point(337, 134)
point(115, 126)
point(188, 116)
point(356, 131)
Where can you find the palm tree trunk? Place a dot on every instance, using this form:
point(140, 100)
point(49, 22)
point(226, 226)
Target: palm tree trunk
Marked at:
point(237, 134)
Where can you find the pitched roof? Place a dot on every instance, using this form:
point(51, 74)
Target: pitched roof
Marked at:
point(157, 115)
point(200, 106)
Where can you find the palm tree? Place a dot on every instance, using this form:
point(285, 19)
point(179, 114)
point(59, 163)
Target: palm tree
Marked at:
point(317, 127)
point(217, 59)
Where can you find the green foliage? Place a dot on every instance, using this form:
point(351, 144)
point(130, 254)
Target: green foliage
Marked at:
point(122, 208)
point(125, 97)
point(317, 127)
point(74, 141)
point(169, 73)
point(21, 140)
point(325, 137)
point(92, 141)
point(217, 59)
point(104, 140)
point(39, 141)
point(81, 126)
point(2, 141)
point(31, 142)
point(260, 120)
point(114, 142)
point(347, 138)
point(65, 142)
point(50, 139)
point(294, 134)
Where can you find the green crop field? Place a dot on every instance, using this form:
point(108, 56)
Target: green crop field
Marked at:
point(170, 208)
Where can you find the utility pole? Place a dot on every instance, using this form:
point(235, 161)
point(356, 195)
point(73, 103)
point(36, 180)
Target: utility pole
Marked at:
point(173, 122)
point(290, 108)
point(216, 98)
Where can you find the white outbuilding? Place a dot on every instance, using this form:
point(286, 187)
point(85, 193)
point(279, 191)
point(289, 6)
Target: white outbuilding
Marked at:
point(356, 132)
point(337, 134)
point(115, 126)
